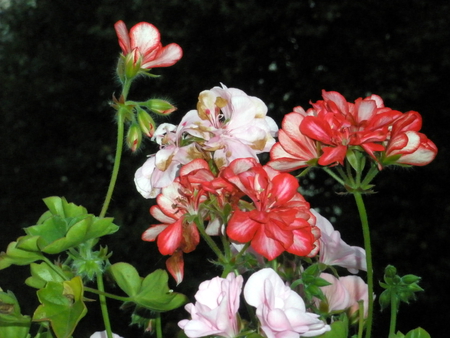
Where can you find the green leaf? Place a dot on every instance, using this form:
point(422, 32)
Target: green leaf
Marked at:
point(418, 333)
point(12, 322)
point(126, 277)
point(156, 295)
point(64, 226)
point(339, 329)
point(59, 206)
point(41, 274)
point(17, 256)
point(62, 305)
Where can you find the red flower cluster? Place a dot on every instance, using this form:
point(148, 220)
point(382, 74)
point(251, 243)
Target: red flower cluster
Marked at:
point(324, 133)
point(178, 205)
point(281, 219)
point(278, 220)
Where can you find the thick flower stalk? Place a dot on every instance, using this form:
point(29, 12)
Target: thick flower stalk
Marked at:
point(215, 311)
point(281, 219)
point(280, 310)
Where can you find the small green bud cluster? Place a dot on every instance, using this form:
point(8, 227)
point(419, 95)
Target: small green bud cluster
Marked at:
point(403, 289)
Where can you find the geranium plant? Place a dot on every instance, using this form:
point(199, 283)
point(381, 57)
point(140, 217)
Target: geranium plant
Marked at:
point(286, 271)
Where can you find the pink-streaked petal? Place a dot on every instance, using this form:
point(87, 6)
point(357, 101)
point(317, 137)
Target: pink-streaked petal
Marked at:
point(241, 227)
point(284, 187)
point(124, 38)
point(316, 129)
point(151, 233)
point(266, 246)
point(194, 165)
point(166, 56)
point(337, 98)
point(175, 266)
point(365, 110)
point(145, 37)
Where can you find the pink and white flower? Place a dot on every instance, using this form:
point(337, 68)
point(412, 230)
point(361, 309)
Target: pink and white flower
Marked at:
point(232, 124)
point(102, 334)
point(334, 251)
point(215, 309)
point(144, 46)
point(162, 168)
point(281, 311)
point(343, 294)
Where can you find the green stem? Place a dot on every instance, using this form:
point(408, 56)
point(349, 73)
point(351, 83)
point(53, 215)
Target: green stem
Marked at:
point(106, 294)
point(336, 177)
point(103, 305)
point(394, 310)
point(209, 240)
point(158, 325)
point(368, 248)
point(55, 268)
point(115, 172)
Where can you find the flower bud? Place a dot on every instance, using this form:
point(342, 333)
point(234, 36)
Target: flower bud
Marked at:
point(160, 107)
point(134, 137)
point(410, 279)
point(146, 123)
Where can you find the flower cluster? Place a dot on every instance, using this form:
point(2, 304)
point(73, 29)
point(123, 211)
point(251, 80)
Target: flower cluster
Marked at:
point(326, 132)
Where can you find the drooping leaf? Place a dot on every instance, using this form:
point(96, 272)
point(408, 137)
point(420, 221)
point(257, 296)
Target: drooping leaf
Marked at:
point(126, 277)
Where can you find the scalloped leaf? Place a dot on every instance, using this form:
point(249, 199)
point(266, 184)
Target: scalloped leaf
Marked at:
point(62, 305)
point(156, 295)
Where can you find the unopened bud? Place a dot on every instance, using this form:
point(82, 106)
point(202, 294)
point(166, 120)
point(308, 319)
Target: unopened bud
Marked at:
point(146, 123)
point(160, 107)
point(134, 137)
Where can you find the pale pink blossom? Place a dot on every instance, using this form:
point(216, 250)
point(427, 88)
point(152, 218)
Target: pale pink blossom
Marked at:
point(215, 309)
point(358, 290)
point(343, 294)
point(103, 334)
point(337, 296)
point(280, 310)
point(334, 251)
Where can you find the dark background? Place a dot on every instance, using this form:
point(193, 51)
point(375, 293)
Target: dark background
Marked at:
point(57, 63)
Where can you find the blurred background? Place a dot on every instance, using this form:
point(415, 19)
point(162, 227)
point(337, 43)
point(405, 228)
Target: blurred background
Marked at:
point(57, 131)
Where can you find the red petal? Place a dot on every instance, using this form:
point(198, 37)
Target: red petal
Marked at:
point(317, 129)
point(167, 56)
point(175, 266)
point(241, 228)
point(284, 187)
point(170, 238)
point(332, 155)
point(124, 38)
point(266, 246)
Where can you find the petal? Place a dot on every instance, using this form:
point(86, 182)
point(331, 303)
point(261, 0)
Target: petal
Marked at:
point(170, 238)
point(124, 38)
point(175, 266)
point(166, 56)
point(151, 233)
point(145, 37)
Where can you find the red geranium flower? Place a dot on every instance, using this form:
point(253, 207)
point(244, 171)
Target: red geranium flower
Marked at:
point(338, 124)
point(406, 145)
point(281, 220)
point(177, 206)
